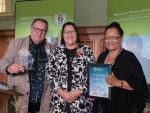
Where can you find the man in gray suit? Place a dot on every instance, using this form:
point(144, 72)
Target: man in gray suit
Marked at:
point(31, 83)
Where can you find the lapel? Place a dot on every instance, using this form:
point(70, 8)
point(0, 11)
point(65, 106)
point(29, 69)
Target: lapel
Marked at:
point(78, 55)
point(47, 46)
point(26, 44)
point(63, 55)
point(47, 49)
point(75, 60)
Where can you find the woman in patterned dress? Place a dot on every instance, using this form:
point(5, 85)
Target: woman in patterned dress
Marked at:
point(67, 73)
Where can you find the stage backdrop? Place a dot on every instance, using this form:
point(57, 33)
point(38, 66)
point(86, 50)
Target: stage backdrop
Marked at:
point(134, 18)
point(56, 12)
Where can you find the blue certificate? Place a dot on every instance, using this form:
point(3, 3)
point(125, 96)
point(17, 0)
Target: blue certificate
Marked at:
point(98, 87)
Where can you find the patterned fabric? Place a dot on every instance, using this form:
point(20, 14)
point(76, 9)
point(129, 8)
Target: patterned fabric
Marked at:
point(39, 51)
point(57, 73)
point(39, 54)
point(37, 78)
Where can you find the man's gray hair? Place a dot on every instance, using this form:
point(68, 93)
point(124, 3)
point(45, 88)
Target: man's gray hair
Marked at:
point(41, 20)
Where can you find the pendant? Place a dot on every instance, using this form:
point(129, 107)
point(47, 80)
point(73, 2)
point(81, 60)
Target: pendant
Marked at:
point(108, 62)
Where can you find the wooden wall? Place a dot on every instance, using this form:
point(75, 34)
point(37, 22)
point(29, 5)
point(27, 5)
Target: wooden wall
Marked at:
point(93, 36)
point(5, 37)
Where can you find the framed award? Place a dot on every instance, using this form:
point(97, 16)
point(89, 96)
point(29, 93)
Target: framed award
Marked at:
point(98, 87)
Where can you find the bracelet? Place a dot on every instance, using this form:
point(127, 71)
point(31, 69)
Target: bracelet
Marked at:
point(121, 83)
point(81, 91)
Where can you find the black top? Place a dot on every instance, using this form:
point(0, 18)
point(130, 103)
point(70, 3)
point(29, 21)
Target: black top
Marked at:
point(70, 53)
point(128, 68)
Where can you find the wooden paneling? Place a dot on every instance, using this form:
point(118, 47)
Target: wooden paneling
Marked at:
point(5, 37)
point(93, 36)
point(4, 96)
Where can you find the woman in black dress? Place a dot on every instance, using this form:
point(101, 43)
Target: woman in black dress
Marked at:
point(129, 91)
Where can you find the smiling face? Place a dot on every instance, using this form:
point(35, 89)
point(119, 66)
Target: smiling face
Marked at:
point(38, 32)
point(70, 37)
point(113, 44)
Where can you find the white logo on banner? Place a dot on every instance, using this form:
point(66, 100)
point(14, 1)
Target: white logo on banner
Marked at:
point(60, 18)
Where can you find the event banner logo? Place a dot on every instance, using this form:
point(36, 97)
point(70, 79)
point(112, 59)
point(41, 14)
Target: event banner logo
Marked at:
point(97, 69)
point(60, 19)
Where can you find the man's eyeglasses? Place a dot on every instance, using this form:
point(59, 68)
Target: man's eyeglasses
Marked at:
point(41, 30)
point(113, 38)
point(67, 32)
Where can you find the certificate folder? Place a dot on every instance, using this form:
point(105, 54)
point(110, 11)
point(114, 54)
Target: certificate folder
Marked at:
point(97, 86)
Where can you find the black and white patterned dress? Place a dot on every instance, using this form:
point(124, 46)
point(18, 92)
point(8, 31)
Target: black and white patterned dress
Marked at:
point(57, 73)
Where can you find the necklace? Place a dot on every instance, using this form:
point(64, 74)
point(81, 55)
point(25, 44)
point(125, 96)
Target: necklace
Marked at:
point(74, 47)
point(113, 60)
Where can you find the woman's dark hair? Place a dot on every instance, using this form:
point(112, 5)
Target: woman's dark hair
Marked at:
point(116, 26)
point(69, 23)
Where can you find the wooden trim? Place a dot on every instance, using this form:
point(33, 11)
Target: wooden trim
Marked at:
point(93, 30)
point(100, 33)
point(99, 26)
point(8, 32)
point(95, 35)
point(7, 92)
point(5, 95)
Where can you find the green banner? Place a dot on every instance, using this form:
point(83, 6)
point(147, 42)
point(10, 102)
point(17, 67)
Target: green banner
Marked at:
point(56, 12)
point(131, 14)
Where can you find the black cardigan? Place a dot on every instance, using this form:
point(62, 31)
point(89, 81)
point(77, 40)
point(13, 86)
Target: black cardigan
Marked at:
point(128, 68)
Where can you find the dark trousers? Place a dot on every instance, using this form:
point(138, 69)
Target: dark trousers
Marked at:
point(100, 106)
point(34, 107)
point(68, 107)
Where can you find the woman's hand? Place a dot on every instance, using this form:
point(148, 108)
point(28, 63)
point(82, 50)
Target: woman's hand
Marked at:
point(91, 99)
point(112, 80)
point(76, 93)
point(67, 96)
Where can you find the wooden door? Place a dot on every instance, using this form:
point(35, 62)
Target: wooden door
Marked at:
point(93, 36)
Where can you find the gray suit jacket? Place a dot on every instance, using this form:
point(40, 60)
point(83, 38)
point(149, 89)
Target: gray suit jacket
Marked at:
point(21, 80)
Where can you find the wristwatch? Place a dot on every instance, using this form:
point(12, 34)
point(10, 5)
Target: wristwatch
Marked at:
point(81, 91)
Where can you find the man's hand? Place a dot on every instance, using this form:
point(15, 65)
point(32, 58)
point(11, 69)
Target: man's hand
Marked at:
point(15, 68)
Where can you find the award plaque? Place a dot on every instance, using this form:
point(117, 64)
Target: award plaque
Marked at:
point(25, 59)
point(98, 87)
